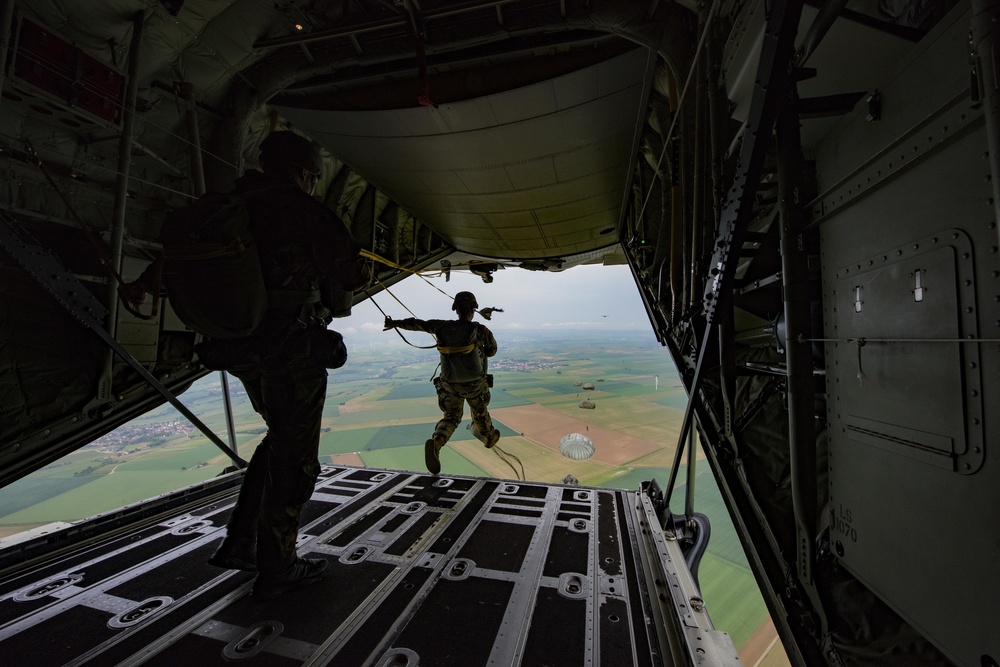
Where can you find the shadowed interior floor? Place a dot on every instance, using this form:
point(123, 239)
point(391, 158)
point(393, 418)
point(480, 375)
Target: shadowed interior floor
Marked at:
point(423, 570)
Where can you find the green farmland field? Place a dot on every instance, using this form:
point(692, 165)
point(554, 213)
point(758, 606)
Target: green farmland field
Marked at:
point(120, 488)
point(346, 441)
point(412, 458)
point(732, 598)
point(29, 492)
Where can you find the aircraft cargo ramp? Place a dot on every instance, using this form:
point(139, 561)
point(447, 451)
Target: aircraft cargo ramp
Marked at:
point(424, 570)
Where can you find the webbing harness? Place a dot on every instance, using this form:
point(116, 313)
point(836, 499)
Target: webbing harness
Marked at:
point(444, 349)
point(462, 349)
point(305, 300)
point(507, 457)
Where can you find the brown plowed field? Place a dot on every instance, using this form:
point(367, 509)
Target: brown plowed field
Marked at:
point(547, 427)
point(350, 459)
point(762, 648)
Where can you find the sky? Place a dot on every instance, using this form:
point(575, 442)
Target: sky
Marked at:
point(592, 297)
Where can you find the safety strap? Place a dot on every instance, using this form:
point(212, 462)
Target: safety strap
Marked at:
point(506, 458)
point(399, 267)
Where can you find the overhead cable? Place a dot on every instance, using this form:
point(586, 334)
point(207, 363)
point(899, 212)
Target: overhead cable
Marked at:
point(680, 101)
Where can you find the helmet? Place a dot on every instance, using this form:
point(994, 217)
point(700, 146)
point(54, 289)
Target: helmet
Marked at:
point(285, 148)
point(464, 300)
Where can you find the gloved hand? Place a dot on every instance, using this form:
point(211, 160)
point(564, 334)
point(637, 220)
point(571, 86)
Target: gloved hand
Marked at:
point(388, 324)
point(133, 293)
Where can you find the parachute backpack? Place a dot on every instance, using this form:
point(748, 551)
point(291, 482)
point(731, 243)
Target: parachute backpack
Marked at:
point(211, 264)
point(212, 268)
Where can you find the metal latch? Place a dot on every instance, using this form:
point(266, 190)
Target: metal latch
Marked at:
point(918, 289)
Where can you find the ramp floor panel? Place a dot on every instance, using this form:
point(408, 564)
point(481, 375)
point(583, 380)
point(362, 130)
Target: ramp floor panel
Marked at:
point(424, 570)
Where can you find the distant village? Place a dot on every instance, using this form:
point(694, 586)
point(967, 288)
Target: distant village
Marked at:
point(521, 365)
point(134, 434)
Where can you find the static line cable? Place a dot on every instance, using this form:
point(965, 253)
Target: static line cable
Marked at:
point(680, 101)
point(382, 260)
point(389, 292)
point(506, 458)
point(396, 329)
point(399, 267)
point(486, 313)
point(436, 287)
point(372, 299)
point(433, 274)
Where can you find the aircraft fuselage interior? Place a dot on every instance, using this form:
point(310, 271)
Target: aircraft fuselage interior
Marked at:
point(806, 194)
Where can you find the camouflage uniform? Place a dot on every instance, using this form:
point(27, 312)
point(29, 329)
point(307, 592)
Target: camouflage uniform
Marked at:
point(463, 374)
point(451, 400)
point(303, 247)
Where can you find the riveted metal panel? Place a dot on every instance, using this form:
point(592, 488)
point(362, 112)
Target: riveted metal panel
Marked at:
point(910, 306)
point(907, 311)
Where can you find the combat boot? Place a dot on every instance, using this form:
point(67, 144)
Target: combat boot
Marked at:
point(303, 572)
point(236, 553)
point(432, 454)
point(493, 437)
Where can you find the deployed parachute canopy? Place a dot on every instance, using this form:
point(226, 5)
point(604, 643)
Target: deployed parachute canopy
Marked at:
point(576, 446)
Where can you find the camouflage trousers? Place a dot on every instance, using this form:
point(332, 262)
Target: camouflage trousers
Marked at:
point(452, 397)
point(288, 390)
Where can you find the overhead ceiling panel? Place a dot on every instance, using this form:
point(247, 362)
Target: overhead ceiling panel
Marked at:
point(479, 232)
point(511, 219)
point(543, 164)
point(441, 182)
point(537, 173)
point(486, 181)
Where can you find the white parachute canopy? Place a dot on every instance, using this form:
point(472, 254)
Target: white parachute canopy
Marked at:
point(576, 446)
